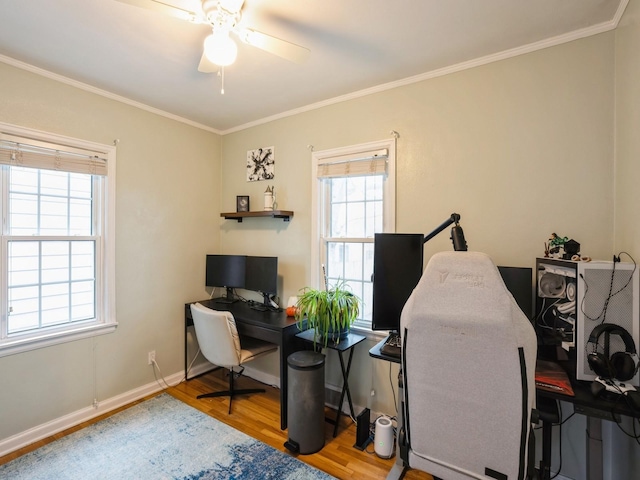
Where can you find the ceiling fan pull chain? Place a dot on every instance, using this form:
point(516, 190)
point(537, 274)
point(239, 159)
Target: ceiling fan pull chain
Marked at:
point(222, 80)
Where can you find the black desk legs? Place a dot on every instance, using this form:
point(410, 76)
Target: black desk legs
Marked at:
point(594, 448)
point(345, 389)
point(545, 464)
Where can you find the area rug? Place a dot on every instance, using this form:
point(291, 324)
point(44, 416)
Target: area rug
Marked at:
point(161, 438)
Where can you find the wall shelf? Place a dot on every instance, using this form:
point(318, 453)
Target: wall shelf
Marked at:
point(283, 214)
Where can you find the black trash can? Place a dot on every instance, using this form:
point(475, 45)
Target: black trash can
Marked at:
point(305, 400)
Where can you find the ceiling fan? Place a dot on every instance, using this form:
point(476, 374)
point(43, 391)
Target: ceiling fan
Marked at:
point(224, 17)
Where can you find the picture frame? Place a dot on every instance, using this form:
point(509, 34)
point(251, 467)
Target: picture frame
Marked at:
point(242, 203)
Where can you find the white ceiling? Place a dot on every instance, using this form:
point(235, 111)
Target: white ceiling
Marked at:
point(357, 47)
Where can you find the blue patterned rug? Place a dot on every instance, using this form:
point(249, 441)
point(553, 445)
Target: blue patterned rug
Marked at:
point(161, 438)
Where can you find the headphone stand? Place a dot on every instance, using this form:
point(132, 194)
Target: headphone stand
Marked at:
point(601, 384)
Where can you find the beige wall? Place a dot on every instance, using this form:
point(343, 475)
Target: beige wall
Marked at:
point(168, 201)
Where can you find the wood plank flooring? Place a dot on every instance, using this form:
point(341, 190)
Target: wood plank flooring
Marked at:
point(258, 416)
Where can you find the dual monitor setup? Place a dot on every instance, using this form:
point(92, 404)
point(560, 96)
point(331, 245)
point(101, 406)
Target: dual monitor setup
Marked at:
point(258, 274)
point(398, 262)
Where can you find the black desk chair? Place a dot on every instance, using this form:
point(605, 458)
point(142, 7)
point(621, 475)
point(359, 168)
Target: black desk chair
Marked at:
point(221, 345)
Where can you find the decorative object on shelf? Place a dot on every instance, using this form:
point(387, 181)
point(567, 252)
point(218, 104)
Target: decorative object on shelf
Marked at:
point(242, 203)
point(260, 164)
point(331, 311)
point(270, 199)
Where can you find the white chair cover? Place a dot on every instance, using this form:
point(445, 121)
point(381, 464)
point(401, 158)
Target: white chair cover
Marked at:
point(469, 357)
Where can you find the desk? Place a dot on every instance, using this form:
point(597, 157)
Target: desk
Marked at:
point(274, 327)
point(583, 403)
point(595, 409)
point(344, 345)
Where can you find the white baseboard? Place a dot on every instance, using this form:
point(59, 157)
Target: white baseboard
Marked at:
point(262, 377)
point(22, 439)
point(39, 432)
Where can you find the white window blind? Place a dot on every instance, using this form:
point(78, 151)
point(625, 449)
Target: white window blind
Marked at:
point(359, 164)
point(25, 152)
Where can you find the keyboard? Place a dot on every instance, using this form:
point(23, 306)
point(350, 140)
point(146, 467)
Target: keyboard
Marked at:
point(392, 346)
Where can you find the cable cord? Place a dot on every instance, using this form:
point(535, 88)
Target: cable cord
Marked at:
point(393, 390)
point(540, 319)
point(560, 441)
point(605, 306)
point(155, 365)
point(635, 434)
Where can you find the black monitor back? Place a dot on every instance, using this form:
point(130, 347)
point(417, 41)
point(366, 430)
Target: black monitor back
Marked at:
point(225, 271)
point(262, 274)
point(519, 281)
point(397, 268)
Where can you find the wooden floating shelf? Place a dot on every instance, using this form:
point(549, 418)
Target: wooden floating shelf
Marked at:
point(283, 214)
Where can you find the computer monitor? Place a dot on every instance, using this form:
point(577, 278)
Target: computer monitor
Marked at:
point(226, 271)
point(262, 276)
point(518, 281)
point(397, 268)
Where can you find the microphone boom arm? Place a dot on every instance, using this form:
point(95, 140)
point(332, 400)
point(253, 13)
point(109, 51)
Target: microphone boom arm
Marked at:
point(457, 236)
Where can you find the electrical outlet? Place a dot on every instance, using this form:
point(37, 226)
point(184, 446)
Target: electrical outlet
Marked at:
point(151, 357)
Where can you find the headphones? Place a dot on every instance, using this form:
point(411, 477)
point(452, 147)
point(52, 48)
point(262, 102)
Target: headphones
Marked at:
point(620, 365)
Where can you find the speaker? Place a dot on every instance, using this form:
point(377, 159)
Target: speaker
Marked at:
point(607, 318)
point(383, 438)
point(621, 365)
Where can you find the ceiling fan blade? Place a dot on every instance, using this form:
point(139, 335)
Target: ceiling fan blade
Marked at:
point(207, 66)
point(167, 9)
point(282, 48)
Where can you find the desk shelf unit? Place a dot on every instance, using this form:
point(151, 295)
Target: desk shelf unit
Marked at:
point(284, 214)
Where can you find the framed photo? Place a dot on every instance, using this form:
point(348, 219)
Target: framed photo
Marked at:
point(242, 203)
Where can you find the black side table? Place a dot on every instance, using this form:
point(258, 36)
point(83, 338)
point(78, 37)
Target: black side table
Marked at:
point(344, 345)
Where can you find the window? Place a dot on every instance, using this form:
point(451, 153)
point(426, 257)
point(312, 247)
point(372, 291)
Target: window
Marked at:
point(57, 240)
point(354, 198)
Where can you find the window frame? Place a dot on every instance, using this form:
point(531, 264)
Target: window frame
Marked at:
point(320, 203)
point(104, 223)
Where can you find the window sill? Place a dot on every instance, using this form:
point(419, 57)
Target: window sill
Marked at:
point(374, 335)
point(20, 345)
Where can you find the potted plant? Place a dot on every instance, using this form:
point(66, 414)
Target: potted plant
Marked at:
point(331, 311)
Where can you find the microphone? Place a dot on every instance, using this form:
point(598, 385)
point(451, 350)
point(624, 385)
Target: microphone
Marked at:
point(457, 237)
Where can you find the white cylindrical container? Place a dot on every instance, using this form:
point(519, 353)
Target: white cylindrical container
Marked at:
point(268, 199)
point(383, 438)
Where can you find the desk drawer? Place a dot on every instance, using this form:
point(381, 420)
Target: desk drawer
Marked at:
point(261, 333)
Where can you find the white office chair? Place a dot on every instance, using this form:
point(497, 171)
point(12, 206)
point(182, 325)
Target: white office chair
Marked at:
point(469, 356)
point(220, 344)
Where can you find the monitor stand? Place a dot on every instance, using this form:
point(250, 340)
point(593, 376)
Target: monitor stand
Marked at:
point(230, 298)
point(266, 300)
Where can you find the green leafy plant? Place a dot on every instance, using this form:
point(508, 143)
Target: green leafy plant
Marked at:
point(329, 311)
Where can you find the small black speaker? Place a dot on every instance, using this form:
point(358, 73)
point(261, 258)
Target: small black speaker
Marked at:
point(363, 436)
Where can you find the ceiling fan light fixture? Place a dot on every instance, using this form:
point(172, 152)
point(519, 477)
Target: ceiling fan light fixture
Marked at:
point(233, 6)
point(220, 49)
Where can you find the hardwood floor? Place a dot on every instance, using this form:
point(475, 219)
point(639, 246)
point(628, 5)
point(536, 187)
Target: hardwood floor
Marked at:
point(258, 415)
